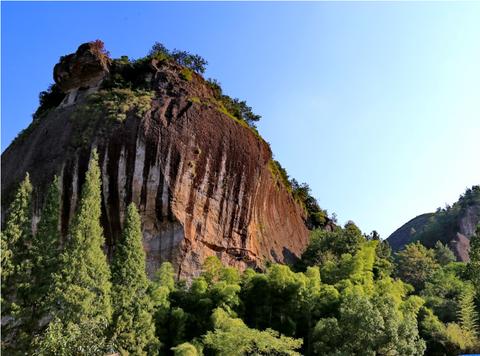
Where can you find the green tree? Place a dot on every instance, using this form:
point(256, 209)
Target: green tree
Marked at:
point(443, 254)
point(133, 328)
point(45, 252)
point(16, 233)
point(416, 264)
point(60, 339)
point(468, 314)
point(232, 337)
point(16, 268)
point(331, 245)
point(474, 264)
point(443, 292)
point(185, 349)
point(82, 286)
point(376, 326)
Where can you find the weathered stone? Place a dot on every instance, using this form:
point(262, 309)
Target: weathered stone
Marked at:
point(84, 68)
point(201, 180)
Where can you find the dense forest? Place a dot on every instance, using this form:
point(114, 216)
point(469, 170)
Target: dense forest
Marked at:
point(347, 295)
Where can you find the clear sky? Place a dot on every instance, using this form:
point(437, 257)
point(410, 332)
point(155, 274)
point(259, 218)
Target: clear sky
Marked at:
point(375, 105)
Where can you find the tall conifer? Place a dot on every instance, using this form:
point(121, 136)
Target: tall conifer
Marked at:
point(16, 262)
point(17, 231)
point(82, 286)
point(45, 252)
point(133, 329)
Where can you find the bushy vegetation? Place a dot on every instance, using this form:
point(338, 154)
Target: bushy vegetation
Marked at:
point(106, 109)
point(346, 296)
point(444, 223)
point(184, 58)
point(48, 99)
point(316, 217)
point(234, 107)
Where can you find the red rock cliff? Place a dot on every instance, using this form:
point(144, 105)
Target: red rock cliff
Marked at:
point(202, 180)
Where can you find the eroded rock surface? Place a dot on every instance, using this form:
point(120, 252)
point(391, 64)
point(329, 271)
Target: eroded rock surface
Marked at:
point(201, 179)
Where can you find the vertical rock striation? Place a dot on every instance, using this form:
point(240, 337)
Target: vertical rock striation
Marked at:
point(200, 178)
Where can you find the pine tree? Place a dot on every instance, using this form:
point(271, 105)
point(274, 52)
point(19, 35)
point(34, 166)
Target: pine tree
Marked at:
point(82, 286)
point(17, 231)
point(16, 261)
point(45, 252)
point(467, 314)
point(474, 264)
point(133, 328)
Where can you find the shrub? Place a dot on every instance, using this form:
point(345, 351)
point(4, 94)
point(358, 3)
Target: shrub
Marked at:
point(48, 99)
point(191, 61)
point(186, 74)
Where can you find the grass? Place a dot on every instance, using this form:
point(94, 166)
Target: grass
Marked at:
point(186, 74)
point(195, 100)
point(279, 174)
point(106, 108)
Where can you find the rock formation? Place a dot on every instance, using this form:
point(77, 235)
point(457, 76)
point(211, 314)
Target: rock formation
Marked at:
point(453, 225)
point(201, 179)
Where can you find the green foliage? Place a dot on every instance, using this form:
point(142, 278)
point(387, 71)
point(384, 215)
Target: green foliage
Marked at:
point(416, 264)
point(443, 225)
point(34, 278)
point(232, 337)
point(133, 330)
point(443, 254)
point(342, 302)
point(186, 74)
point(115, 104)
point(368, 327)
point(17, 230)
point(185, 349)
point(45, 252)
point(468, 314)
point(327, 246)
point(191, 61)
point(49, 99)
point(316, 217)
point(443, 291)
point(82, 286)
point(106, 109)
point(16, 266)
point(84, 338)
point(240, 110)
point(280, 174)
point(474, 264)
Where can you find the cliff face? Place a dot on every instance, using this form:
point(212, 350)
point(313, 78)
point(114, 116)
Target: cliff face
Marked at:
point(453, 225)
point(201, 179)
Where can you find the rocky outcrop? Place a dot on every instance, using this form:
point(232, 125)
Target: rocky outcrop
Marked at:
point(84, 68)
point(453, 225)
point(200, 178)
point(406, 233)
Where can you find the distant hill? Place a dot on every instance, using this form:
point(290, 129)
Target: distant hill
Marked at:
point(453, 225)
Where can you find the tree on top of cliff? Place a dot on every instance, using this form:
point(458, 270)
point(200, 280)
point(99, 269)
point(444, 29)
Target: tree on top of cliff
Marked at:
point(184, 58)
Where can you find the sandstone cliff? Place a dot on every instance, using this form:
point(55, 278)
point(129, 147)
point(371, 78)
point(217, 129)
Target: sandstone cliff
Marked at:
point(202, 180)
point(453, 225)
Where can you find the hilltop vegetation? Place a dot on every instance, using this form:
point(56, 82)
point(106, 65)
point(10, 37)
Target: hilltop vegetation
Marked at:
point(442, 225)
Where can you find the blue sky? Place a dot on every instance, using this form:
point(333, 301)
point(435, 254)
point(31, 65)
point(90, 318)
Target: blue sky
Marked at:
point(375, 105)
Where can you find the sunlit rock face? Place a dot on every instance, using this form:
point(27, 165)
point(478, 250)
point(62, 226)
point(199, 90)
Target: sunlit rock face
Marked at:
point(200, 179)
point(456, 233)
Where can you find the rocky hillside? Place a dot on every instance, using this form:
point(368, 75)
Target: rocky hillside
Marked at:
point(453, 225)
point(204, 181)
